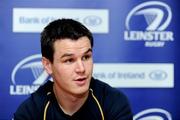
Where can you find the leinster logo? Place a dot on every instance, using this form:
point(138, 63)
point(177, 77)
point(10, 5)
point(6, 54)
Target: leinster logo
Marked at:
point(148, 22)
point(27, 75)
point(153, 114)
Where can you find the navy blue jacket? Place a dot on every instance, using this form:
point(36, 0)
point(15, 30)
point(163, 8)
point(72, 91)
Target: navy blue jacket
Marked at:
point(113, 105)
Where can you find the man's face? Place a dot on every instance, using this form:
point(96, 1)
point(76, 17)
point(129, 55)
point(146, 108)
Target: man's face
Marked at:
point(72, 66)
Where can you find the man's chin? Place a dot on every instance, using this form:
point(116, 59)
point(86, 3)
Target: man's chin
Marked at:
point(82, 92)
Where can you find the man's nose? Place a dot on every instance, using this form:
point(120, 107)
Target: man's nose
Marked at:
point(80, 68)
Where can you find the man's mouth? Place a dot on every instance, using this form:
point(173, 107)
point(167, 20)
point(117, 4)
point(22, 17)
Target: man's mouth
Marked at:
point(80, 81)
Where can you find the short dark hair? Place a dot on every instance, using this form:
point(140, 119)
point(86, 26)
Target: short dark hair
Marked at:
point(61, 29)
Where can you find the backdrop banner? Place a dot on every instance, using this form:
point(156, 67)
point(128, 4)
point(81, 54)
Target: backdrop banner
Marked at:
point(136, 44)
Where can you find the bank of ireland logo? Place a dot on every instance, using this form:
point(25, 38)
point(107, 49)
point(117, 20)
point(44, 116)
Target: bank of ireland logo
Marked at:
point(27, 76)
point(158, 75)
point(153, 114)
point(148, 22)
point(92, 20)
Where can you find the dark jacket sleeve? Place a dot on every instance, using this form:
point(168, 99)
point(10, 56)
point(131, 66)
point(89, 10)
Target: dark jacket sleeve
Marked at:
point(30, 109)
point(117, 106)
point(114, 103)
point(25, 111)
point(33, 107)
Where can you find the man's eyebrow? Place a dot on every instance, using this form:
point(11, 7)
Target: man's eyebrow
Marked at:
point(89, 50)
point(66, 55)
point(70, 54)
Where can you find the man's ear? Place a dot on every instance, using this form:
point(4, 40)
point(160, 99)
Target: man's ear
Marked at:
point(47, 65)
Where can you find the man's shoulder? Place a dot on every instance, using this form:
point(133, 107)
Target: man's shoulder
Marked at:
point(114, 102)
point(41, 94)
point(108, 95)
point(34, 104)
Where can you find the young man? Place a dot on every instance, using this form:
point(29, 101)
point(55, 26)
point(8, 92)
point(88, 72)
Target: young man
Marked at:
point(66, 47)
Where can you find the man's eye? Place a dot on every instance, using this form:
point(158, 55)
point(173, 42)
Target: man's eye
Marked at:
point(86, 57)
point(69, 61)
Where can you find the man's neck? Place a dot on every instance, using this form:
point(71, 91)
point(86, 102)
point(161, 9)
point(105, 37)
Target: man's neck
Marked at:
point(69, 103)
